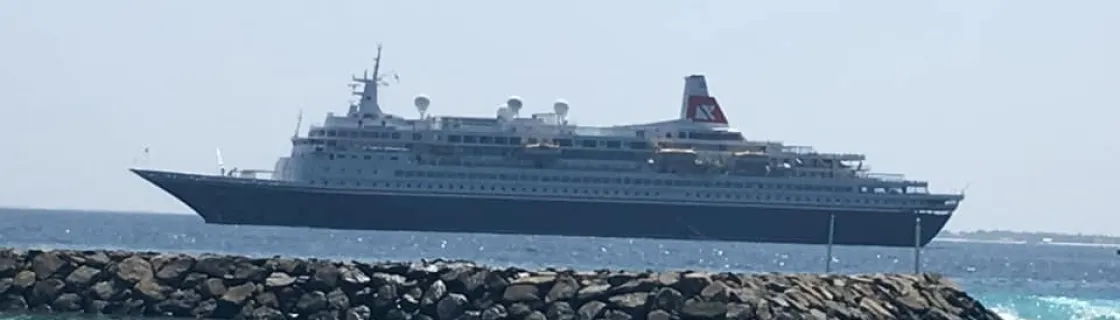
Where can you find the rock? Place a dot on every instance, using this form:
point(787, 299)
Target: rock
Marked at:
point(659, 315)
point(268, 299)
point(565, 288)
point(594, 291)
point(151, 290)
point(214, 266)
point(494, 281)
point(67, 302)
point(535, 280)
point(560, 310)
point(433, 295)
point(716, 291)
point(668, 279)
point(354, 277)
point(386, 296)
point(267, 313)
point(325, 277)
point(5, 284)
point(358, 313)
point(451, 306)
point(279, 279)
point(468, 279)
point(46, 264)
point(104, 290)
point(46, 291)
point(23, 280)
point(691, 284)
point(179, 303)
point(495, 312)
point(13, 302)
point(248, 272)
point(175, 269)
point(536, 315)
point(237, 295)
point(410, 301)
point(668, 299)
point(212, 288)
point(205, 308)
point(337, 300)
point(9, 266)
point(311, 302)
point(591, 310)
point(521, 292)
point(740, 311)
point(703, 309)
point(97, 259)
point(519, 310)
point(82, 277)
point(635, 285)
point(133, 269)
point(633, 303)
point(129, 284)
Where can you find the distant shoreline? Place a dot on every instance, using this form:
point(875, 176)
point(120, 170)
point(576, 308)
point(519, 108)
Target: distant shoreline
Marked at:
point(1017, 237)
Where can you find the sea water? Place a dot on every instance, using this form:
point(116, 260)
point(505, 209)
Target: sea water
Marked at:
point(1020, 281)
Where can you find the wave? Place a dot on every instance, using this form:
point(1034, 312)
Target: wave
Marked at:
point(1019, 307)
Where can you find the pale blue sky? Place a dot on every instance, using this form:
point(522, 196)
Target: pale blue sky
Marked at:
point(1016, 97)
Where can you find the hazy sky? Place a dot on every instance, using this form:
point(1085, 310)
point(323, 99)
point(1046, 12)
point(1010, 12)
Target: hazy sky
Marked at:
point(1015, 98)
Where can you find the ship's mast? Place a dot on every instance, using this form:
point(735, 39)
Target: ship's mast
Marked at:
point(368, 106)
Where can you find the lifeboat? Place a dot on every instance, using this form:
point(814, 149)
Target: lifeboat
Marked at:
point(541, 149)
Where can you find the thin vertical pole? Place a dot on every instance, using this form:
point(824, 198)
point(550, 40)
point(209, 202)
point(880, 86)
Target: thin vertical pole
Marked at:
point(917, 244)
point(831, 234)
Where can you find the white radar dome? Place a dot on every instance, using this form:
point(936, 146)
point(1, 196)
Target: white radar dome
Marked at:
point(422, 102)
point(560, 107)
point(515, 103)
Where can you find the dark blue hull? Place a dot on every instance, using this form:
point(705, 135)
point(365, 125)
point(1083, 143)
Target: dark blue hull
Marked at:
point(226, 201)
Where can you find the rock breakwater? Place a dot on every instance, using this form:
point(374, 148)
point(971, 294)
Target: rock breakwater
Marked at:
point(221, 286)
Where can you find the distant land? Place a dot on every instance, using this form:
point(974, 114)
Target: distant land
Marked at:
point(1029, 237)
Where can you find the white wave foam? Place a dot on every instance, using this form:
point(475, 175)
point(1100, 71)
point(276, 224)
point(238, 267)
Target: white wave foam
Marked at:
point(1086, 309)
point(1053, 308)
point(1006, 314)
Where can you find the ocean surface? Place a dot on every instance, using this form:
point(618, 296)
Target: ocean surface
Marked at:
point(1020, 281)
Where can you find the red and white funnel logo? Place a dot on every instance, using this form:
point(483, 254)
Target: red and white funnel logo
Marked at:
point(705, 109)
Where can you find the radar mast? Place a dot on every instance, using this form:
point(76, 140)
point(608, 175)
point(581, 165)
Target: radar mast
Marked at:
point(368, 106)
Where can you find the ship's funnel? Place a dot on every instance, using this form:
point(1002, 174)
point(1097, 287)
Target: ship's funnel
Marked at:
point(698, 105)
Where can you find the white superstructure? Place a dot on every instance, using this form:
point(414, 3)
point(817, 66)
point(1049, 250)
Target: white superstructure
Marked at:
point(696, 158)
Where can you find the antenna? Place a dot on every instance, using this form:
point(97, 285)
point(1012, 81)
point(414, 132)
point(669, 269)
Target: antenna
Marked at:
point(221, 164)
point(377, 63)
point(299, 120)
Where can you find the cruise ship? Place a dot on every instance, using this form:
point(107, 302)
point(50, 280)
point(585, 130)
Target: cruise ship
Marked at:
point(690, 178)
